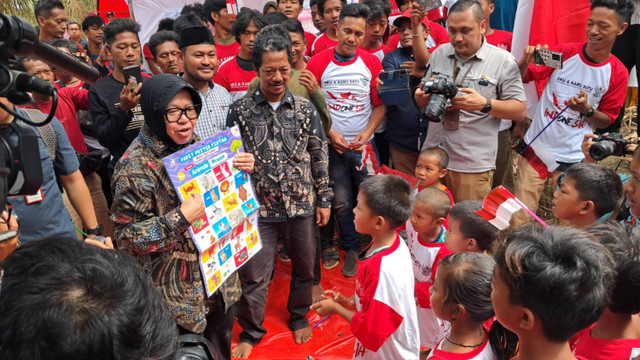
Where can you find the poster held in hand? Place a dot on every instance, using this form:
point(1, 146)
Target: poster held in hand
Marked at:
point(227, 234)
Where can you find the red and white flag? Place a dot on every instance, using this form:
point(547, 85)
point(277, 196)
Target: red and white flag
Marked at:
point(369, 160)
point(499, 206)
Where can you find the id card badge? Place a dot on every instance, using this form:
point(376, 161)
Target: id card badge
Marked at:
point(35, 198)
point(451, 119)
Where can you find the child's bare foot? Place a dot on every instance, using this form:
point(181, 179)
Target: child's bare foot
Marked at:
point(302, 335)
point(316, 293)
point(242, 351)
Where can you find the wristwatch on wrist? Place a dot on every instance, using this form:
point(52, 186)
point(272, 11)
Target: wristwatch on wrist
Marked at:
point(487, 107)
point(95, 231)
point(589, 113)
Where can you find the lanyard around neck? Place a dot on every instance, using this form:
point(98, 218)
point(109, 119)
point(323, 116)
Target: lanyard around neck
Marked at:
point(456, 70)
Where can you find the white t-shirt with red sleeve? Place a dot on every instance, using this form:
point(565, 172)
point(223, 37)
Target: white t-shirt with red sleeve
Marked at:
point(606, 86)
point(482, 352)
point(322, 43)
point(234, 78)
point(385, 324)
point(583, 344)
point(349, 89)
point(425, 257)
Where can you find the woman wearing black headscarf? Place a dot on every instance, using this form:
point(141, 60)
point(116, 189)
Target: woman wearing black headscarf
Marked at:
point(151, 224)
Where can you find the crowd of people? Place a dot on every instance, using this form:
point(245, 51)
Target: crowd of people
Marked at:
point(433, 279)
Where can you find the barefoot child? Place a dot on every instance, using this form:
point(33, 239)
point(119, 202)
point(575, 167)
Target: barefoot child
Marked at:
point(468, 231)
point(425, 238)
point(461, 295)
point(616, 335)
point(585, 193)
point(548, 285)
point(382, 311)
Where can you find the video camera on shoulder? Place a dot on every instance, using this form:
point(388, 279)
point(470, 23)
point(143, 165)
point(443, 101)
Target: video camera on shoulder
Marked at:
point(607, 145)
point(441, 90)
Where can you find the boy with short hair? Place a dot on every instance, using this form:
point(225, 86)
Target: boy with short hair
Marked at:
point(292, 9)
point(468, 231)
point(585, 193)
point(425, 238)
point(431, 168)
point(616, 335)
point(382, 312)
point(316, 17)
point(376, 28)
point(548, 284)
point(93, 28)
point(329, 11)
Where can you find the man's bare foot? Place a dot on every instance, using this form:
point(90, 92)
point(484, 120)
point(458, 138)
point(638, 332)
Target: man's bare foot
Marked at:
point(242, 351)
point(316, 292)
point(302, 335)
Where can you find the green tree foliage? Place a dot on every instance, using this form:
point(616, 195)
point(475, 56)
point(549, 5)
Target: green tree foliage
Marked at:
point(76, 9)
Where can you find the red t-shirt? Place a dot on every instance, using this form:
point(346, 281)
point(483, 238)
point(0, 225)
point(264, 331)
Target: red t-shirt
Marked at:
point(226, 52)
point(322, 43)
point(234, 78)
point(70, 99)
point(310, 40)
point(583, 344)
point(501, 39)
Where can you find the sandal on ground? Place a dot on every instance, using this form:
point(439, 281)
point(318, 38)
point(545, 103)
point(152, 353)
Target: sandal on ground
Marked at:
point(328, 256)
point(282, 255)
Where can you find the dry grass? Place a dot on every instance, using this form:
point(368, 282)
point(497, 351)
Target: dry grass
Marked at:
point(628, 132)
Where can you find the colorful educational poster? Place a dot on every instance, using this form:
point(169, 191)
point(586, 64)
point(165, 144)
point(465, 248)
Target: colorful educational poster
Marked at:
point(227, 234)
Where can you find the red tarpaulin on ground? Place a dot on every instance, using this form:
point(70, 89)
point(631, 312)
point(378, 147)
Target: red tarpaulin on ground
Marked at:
point(332, 340)
point(119, 7)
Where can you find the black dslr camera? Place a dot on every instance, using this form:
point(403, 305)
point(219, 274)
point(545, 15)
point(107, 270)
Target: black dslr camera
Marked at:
point(441, 89)
point(607, 145)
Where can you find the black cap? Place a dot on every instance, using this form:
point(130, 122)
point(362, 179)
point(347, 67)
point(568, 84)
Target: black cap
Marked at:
point(195, 35)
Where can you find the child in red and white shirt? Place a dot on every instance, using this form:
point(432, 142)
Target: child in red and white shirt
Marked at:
point(425, 238)
point(376, 28)
point(549, 284)
point(382, 312)
point(461, 295)
point(616, 335)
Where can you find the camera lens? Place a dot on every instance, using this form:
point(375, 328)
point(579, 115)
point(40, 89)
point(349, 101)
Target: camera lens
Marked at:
point(602, 149)
point(435, 108)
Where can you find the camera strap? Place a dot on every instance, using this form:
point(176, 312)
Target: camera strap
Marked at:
point(456, 70)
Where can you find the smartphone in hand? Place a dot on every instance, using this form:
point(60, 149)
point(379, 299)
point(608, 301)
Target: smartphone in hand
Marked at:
point(548, 58)
point(132, 72)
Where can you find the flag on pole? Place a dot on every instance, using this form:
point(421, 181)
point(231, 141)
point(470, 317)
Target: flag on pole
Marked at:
point(413, 181)
point(498, 207)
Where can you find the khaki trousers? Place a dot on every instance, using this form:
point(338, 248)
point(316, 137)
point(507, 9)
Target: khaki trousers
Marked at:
point(469, 186)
